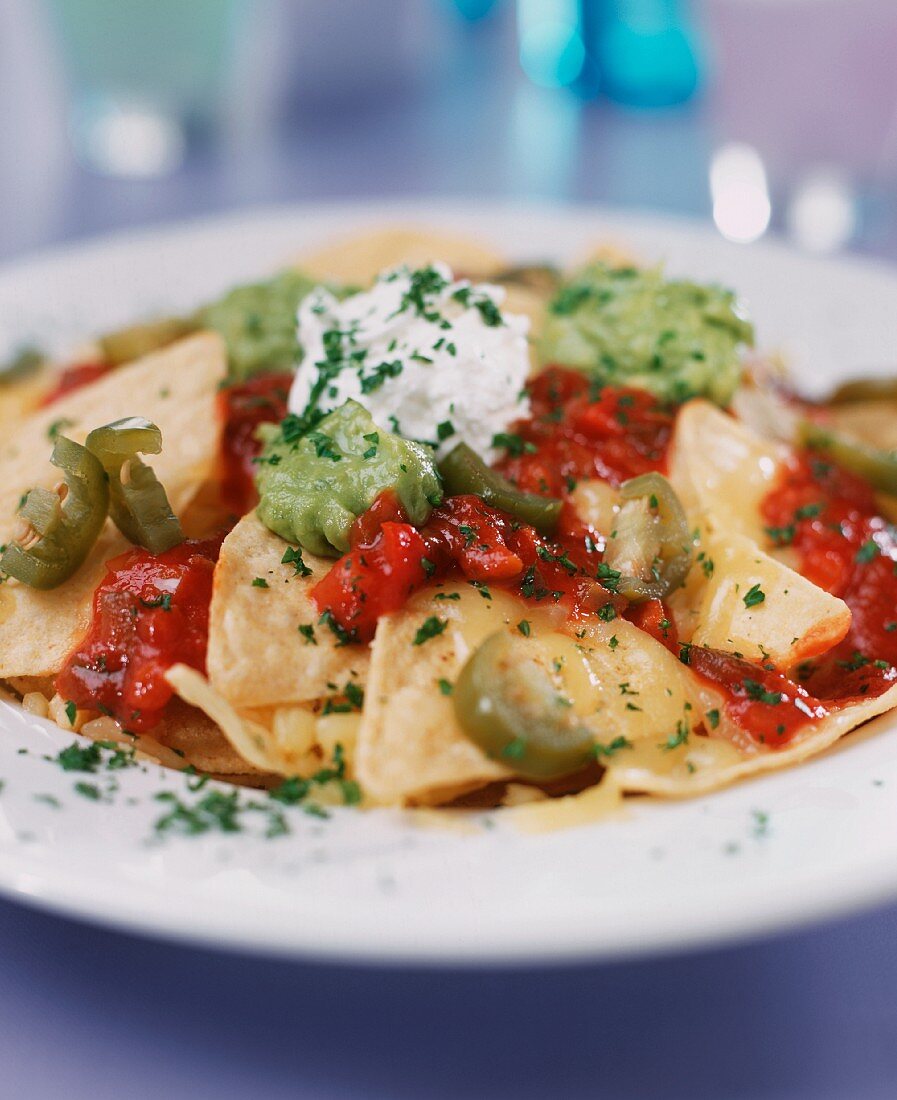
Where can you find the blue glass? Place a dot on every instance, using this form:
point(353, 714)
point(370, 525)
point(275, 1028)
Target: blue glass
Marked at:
point(645, 50)
point(552, 51)
point(638, 52)
point(474, 10)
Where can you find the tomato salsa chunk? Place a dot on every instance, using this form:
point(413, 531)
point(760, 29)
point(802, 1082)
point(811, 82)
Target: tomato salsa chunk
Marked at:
point(149, 612)
point(243, 406)
point(830, 518)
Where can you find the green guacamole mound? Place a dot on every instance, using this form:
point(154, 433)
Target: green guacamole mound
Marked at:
point(312, 486)
point(257, 321)
point(629, 327)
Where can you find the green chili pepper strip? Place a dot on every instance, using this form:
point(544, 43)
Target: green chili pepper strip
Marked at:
point(651, 547)
point(463, 471)
point(127, 344)
point(138, 503)
point(506, 703)
point(62, 526)
point(878, 467)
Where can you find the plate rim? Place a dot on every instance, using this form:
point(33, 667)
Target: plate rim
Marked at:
point(871, 884)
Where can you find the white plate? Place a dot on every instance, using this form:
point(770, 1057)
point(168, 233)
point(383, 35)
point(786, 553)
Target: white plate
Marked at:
point(792, 847)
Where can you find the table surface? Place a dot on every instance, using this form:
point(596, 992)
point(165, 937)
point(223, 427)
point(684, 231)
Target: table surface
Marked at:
point(92, 1013)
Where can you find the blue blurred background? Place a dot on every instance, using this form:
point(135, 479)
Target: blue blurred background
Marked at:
point(762, 115)
point(765, 114)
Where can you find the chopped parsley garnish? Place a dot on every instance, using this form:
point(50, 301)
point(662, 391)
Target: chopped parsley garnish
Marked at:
point(379, 374)
point(354, 696)
point(343, 636)
point(444, 430)
point(524, 627)
point(163, 601)
point(445, 687)
point(712, 717)
point(679, 737)
point(809, 511)
point(781, 536)
point(323, 445)
point(468, 532)
point(56, 428)
point(758, 693)
point(77, 757)
point(488, 310)
point(607, 613)
point(608, 576)
point(514, 444)
point(611, 748)
point(867, 552)
point(215, 810)
point(374, 439)
point(293, 556)
point(429, 628)
point(559, 559)
point(754, 595)
point(857, 661)
point(259, 582)
point(515, 749)
point(308, 633)
point(88, 790)
point(71, 711)
point(429, 567)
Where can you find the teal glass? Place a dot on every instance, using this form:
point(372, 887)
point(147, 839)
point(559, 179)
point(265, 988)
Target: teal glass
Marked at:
point(144, 76)
point(642, 53)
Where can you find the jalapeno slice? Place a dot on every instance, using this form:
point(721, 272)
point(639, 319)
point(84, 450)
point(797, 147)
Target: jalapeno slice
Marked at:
point(127, 344)
point(506, 703)
point(463, 471)
point(62, 525)
point(651, 547)
point(878, 467)
point(138, 503)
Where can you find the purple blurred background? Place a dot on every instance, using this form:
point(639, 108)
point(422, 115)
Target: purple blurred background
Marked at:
point(763, 115)
point(357, 98)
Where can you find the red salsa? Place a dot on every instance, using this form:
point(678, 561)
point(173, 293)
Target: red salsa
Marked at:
point(579, 429)
point(74, 378)
point(149, 612)
point(260, 400)
point(830, 518)
point(463, 537)
point(576, 430)
point(768, 706)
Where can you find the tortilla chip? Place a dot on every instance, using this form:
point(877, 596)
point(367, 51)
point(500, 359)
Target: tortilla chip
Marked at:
point(192, 734)
point(410, 747)
point(717, 763)
point(871, 422)
point(358, 260)
point(722, 470)
point(256, 656)
point(796, 619)
point(286, 741)
point(176, 389)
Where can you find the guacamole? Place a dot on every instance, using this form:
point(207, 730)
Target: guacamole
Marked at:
point(258, 323)
point(312, 486)
point(630, 327)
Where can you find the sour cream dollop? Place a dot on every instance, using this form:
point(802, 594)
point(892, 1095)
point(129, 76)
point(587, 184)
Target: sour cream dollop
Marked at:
point(430, 357)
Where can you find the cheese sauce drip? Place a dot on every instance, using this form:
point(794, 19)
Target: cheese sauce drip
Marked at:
point(430, 357)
